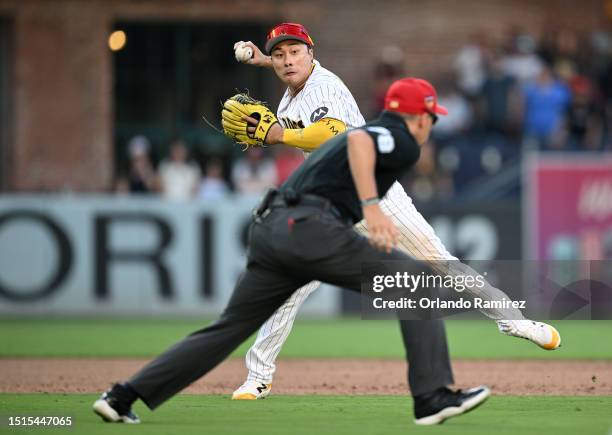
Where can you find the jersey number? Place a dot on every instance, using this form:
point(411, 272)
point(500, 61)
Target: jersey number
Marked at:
point(384, 140)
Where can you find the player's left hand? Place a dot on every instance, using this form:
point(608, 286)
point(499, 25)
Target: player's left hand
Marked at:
point(248, 121)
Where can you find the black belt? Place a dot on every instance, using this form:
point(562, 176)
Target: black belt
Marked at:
point(276, 199)
point(305, 200)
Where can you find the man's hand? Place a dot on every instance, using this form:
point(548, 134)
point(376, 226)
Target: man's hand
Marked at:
point(382, 232)
point(275, 133)
point(258, 59)
point(247, 120)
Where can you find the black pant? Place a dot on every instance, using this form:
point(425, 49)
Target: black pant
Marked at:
point(290, 247)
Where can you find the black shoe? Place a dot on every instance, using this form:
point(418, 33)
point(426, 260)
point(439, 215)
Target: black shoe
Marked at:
point(113, 407)
point(434, 408)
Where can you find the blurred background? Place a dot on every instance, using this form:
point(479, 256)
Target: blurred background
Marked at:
point(118, 198)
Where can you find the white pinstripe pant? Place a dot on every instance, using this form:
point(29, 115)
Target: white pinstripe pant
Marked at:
point(417, 238)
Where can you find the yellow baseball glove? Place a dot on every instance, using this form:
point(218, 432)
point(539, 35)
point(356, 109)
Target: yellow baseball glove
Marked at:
point(235, 127)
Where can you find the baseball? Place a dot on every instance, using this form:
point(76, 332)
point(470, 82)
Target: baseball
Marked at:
point(243, 53)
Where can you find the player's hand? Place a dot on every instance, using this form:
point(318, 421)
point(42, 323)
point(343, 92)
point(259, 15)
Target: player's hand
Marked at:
point(258, 59)
point(247, 120)
point(383, 234)
point(275, 134)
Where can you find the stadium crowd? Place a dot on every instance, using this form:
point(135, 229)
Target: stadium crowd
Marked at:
point(179, 177)
point(504, 99)
point(507, 98)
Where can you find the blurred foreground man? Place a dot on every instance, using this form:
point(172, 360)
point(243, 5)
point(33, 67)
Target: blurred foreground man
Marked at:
point(304, 232)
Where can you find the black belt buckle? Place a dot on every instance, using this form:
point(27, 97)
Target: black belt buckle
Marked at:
point(264, 206)
point(291, 197)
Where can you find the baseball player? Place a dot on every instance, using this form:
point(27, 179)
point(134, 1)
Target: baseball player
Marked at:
point(315, 107)
point(304, 232)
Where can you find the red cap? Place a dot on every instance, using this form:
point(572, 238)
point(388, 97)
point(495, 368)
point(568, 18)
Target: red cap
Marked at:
point(414, 96)
point(285, 31)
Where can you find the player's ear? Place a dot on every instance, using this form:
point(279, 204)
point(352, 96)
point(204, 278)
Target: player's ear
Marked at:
point(310, 52)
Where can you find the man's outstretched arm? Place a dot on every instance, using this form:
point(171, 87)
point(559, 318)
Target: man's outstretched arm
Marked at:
point(307, 139)
point(362, 161)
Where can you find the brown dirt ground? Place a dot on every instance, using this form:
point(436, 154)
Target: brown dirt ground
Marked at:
point(316, 376)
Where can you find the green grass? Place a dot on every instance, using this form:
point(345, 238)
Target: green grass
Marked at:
point(297, 415)
point(310, 338)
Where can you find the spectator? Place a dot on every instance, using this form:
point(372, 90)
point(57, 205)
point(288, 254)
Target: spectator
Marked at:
point(390, 67)
point(253, 174)
point(287, 160)
point(470, 66)
point(521, 62)
point(178, 177)
point(496, 97)
point(585, 120)
point(141, 173)
point(559, 48)
point(545, 104)
point(460, 115)
point(213, 186)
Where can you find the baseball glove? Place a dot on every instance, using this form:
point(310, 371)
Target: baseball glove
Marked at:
point(235, 127)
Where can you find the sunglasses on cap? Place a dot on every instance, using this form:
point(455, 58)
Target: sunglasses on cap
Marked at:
point(290, 29)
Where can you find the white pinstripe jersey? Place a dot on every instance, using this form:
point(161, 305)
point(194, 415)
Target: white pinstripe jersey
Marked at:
point(324, 96)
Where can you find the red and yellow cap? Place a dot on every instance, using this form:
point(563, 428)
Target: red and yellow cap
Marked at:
point(286, 31)
point(413, 96)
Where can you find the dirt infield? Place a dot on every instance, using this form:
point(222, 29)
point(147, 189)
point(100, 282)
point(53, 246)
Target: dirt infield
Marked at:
point(316, 376)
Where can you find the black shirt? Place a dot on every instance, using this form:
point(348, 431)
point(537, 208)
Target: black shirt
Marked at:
point(326, 172)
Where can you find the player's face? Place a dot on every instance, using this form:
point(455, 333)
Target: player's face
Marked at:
point(425, 124)
point(292, 62)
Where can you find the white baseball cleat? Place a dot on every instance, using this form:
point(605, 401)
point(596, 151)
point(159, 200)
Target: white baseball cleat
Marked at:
point(252, 390)
point(542, 334)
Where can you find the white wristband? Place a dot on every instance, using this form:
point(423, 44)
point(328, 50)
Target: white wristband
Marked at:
point(370, 201)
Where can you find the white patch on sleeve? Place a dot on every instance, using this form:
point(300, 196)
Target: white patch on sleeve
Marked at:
point(384, 140)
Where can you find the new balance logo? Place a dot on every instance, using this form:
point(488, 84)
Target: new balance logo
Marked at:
point(263, 387)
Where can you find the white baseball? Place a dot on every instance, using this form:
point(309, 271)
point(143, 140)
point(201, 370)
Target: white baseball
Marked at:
point(243, 53)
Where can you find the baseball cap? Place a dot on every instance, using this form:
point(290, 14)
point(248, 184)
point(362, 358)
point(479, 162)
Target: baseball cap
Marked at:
point(286, 31)
point(414, 96)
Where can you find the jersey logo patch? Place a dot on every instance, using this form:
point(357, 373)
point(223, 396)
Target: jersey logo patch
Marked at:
point(384, 139)
point(318, 114)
